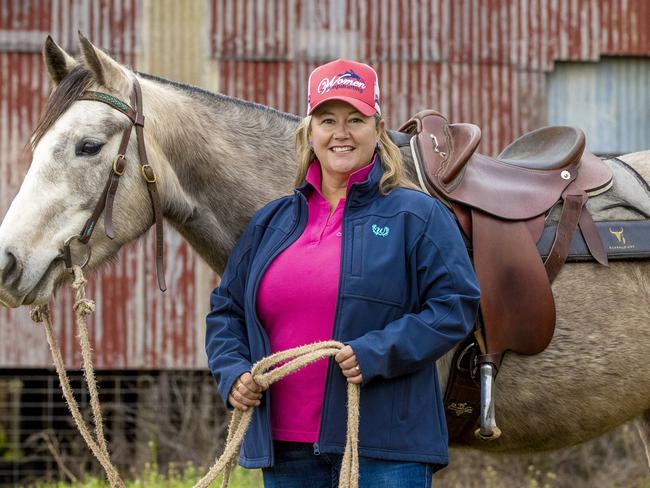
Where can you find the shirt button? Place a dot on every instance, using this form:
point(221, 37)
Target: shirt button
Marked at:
point(339, 234)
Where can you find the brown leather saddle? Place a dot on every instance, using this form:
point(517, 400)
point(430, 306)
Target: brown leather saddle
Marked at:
point(501, 204)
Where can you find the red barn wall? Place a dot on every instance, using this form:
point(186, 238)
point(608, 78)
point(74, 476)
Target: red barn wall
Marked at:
point(480, 61)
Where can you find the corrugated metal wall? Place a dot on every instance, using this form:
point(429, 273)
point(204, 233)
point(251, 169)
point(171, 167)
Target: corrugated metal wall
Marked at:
point(609, 100)
point(134, 326)
point(484, 61)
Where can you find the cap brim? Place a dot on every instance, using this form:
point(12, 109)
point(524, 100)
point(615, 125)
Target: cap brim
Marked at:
point(362, 107)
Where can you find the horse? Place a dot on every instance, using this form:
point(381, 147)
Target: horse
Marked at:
point(218, 159)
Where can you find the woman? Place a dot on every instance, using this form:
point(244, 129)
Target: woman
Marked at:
point(355, 254)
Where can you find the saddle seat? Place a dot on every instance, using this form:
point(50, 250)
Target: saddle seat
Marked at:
point(548, 148)
point(523, 182)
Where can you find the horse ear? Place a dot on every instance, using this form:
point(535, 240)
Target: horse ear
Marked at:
point(106, 71)
point(58, 62)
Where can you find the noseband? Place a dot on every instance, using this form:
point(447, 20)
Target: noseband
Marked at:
point(105, 203)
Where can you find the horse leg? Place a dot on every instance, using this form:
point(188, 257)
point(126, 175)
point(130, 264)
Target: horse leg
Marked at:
point(644, 431)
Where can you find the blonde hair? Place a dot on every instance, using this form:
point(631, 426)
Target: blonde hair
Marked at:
point(391, 158)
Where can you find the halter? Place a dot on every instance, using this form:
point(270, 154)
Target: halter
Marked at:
point(105, 203)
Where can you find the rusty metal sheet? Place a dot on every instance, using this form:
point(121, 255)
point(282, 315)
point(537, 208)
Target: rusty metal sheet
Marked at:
point(133, 327)
point(481, 61)
point(527, 33)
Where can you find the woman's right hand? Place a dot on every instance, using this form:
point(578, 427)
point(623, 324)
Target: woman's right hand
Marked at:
point(245, 393)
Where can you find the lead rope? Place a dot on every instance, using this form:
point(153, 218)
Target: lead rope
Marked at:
point(265, 372)
point(82, 308)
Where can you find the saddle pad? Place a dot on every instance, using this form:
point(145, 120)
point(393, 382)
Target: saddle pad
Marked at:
point(628, 239)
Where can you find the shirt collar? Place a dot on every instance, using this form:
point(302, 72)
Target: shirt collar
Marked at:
point(314, 175)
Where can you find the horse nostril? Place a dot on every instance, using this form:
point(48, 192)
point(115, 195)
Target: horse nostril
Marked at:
point(10, 263)
point(12, 270)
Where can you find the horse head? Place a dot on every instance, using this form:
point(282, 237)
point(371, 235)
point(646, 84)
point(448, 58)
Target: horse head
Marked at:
point(73, 150)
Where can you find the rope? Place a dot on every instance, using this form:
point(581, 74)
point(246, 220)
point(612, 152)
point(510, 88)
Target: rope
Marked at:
point(82, 306)
point(265, 372)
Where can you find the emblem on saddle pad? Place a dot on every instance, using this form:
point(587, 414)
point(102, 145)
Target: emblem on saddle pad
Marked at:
point(460, 408)
point(380, 231)
point(618, 234)
point(620, 238)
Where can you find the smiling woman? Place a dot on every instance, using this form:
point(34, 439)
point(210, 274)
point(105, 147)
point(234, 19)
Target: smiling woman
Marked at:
point(344, 141)
point(358, 255)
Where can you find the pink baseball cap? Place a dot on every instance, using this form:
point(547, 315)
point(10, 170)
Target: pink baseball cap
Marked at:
point(345, 80)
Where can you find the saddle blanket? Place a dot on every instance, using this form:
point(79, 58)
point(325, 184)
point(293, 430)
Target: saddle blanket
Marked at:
point(628, 239)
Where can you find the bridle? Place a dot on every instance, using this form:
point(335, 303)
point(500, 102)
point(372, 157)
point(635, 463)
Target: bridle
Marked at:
point(105, 203)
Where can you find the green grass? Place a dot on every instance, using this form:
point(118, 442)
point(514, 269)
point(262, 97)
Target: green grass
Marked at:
point(176, 478)
point(246, 478)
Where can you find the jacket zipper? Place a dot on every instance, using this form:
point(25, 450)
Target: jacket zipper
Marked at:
point(286, 242)
point(337, 312)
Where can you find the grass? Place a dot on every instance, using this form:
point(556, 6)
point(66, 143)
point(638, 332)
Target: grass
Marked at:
point(176, 478)
point(616, 460)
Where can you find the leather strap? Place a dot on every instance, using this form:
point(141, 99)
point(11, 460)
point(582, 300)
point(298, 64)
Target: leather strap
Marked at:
point(107, 198)
point(574, 200)
point(463, 394)
point(116, 103)
point(592, 237)
point(493, 358)
point(150, 178)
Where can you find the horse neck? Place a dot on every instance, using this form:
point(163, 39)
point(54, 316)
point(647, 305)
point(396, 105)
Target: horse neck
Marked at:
point(221, 159)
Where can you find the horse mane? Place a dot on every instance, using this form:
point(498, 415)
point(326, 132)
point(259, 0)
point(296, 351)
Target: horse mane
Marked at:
point(80, 79)
point(219, 97)
point(65, 94)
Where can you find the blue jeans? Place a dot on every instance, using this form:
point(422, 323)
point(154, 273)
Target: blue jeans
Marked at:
point(296, 466)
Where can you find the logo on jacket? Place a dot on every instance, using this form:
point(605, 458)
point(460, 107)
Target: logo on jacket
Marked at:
point(380, 231)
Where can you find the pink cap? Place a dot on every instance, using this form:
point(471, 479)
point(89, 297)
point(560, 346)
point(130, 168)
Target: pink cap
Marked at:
point(345, 80)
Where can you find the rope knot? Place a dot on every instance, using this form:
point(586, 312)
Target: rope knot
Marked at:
point(39, 313)
point(84, 306)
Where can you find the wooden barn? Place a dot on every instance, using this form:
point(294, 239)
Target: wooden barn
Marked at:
point(508, 66)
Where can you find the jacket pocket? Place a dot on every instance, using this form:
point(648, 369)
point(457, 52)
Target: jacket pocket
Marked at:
point(376, 261)
point(404, 398)
point(356, 260)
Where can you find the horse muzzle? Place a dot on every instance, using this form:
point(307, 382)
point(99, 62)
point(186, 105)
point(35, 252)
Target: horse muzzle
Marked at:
point(19, 287)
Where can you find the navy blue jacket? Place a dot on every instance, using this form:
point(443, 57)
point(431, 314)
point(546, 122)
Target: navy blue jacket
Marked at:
point(407, 294)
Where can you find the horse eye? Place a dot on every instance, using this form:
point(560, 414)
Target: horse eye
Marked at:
point(88, 148)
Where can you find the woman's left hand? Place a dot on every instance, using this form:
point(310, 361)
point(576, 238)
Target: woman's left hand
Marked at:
point(349, 365)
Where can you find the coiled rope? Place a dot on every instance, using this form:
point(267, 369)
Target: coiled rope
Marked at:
point(265, 372)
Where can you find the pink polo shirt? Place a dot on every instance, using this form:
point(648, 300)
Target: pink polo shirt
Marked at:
point(296, 303)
